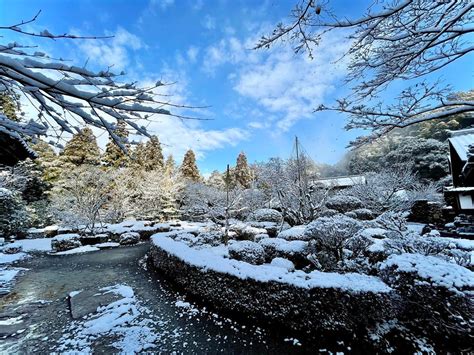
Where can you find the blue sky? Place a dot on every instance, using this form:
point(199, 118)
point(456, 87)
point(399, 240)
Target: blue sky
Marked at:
point(257, 100)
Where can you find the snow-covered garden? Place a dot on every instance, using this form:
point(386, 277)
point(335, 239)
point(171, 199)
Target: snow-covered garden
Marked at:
point(116, 234)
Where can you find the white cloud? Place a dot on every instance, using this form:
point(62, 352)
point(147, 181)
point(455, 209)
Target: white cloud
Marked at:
point(114, 51)
point(163, 4)
point(281, 83)
point(192, 53)
point(178, 135)
point(209, 22)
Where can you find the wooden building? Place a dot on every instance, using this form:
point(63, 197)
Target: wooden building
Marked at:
point(461, 164)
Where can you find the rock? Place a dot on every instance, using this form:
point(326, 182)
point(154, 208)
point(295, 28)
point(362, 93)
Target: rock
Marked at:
point(94, 239)
point(266, 215)
point(344, 203)
point(12, 248)
point(246, 232)
point(65, 242)
point(50, 231)
point(283, 263)
point(272, 228)
point(82, 303)
point(129, 238)
point(247, 251)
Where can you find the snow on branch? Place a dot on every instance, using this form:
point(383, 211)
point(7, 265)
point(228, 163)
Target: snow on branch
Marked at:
point(393, 40)
point(67, 96)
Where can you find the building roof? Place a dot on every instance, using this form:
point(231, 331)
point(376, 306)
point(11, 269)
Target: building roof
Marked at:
point(342, 181)
point(13, 149)
point(460, 140)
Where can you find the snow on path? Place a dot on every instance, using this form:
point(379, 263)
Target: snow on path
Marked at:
point(125, 320)
point(83, 249)
point(6, 278)
point(11, 258)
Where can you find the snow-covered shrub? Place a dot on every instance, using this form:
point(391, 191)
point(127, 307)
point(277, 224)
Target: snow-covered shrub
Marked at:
point(259, 237)
point(393, 188)
point(343, 203)
point(363, 214)
point(202, 202)
point(13, 214)
point(129, 238)
point(328, 236)
point(266, 215)
point(328, 213)
point(188, 239)
point(436, 296)
point(213, 238)
point(351, 214)
point(250, 252)
point(394, 222)
point(84, 196)
point(65, 242)
point(293, 233)
point(296, 250)
point(283, 263)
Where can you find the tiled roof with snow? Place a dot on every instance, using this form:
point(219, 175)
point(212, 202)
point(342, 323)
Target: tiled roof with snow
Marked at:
point(460, 140)
point(342, 181)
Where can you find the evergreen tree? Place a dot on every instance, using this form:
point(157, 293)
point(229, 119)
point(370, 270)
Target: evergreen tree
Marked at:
point(189, 168)
point(153, 154)
point(9, 106)
point(170, 165)
point(81, 149)
point(139, 156)
point(48, 160)
point(243, 174)
point(114, 156)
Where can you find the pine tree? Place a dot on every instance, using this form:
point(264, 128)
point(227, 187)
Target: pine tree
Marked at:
point(189, 168)
point(9, 106)
point(153, 154)
point(81, 149)
point(243, 174)
point(114, 156)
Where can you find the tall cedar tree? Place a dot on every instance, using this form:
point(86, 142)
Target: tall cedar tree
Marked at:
point(170, 165)
point(114, 156)
point(153, 155)
point(243, 174)
point(82, 149)
point(189, 168)
point(139, 156)
point(48, 160)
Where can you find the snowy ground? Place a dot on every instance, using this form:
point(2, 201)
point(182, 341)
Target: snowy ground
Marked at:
point(149, 315)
